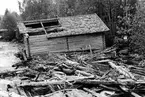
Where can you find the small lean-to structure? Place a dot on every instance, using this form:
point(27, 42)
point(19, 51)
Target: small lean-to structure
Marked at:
point(64, 34)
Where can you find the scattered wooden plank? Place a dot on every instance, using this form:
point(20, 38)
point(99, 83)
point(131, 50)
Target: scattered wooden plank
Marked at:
point(97, 82)
point(41, 84)
point(47, 83)
point(120, 69)
point(44, 29)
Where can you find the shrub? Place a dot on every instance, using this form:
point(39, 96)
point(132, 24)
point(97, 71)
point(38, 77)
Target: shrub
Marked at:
point(9, 22)
point(137, 38)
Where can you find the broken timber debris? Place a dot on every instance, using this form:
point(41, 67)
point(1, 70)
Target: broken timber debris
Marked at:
point(81, 78)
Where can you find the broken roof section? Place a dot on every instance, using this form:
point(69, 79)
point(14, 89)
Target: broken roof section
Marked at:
point(66, 26)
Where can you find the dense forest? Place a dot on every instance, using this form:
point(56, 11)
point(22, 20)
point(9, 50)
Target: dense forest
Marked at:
point(125, 18)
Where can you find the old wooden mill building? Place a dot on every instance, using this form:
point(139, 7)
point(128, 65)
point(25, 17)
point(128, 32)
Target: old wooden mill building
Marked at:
point(74, 33)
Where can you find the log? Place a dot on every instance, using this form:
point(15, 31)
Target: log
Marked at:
point(21, 91)
point(96, 82)
point(47, 83)
point(40, 84)
point(128, 91)
point(135, 94)
point(137, 70)
point(120, 69)
point(6, 73)
point(109, 88)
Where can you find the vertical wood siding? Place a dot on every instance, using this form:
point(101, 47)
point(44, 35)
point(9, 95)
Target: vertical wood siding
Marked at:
point(40, 44)
point(83, 42)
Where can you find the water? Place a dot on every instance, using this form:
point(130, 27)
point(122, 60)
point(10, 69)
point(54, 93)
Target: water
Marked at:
point(7, 51)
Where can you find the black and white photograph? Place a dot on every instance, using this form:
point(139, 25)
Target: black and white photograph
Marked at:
point(72, 48)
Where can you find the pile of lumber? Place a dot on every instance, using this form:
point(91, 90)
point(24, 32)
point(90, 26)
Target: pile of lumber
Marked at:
point(96, 75)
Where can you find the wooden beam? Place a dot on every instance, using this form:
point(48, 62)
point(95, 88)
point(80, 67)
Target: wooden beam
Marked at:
point(44, 29)
point(104, 42)
point(27, 45)
point(67, 44)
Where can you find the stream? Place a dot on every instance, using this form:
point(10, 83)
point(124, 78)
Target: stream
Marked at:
point(7, 57)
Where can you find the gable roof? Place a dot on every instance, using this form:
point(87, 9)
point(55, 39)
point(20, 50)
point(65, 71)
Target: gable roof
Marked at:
point(72, 25)
point(83, 24)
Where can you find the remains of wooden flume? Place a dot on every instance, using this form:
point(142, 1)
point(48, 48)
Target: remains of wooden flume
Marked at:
point(96, 75)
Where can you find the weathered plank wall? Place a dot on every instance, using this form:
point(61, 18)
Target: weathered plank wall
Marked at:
point(85, 42)
point(40, 44)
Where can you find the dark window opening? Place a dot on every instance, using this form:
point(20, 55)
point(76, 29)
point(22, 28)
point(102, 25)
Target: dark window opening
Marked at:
point(53, 23)
point(46, 24)
point(38, 25)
